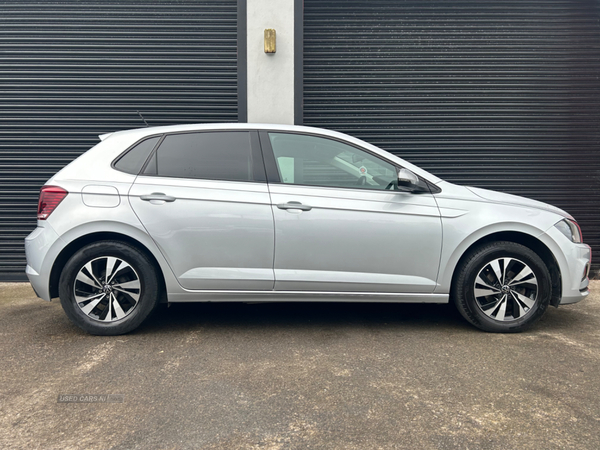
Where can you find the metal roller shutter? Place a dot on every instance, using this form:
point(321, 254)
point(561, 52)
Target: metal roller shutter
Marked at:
point(503, 95)
point(71, 70)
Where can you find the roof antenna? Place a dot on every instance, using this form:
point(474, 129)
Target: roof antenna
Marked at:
point(142, 117)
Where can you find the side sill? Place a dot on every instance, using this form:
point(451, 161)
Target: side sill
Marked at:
point(305, 296)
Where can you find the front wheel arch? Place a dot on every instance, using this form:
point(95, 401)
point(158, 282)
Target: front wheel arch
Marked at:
point(528, 241)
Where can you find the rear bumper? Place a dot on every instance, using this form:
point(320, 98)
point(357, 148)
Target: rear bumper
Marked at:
point(37, 245)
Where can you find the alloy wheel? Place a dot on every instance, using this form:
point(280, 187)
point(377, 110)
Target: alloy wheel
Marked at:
point(506, 289)
point(107, 289)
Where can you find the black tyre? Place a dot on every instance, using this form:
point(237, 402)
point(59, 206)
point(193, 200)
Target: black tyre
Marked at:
point(502, 287)
point(108, 288)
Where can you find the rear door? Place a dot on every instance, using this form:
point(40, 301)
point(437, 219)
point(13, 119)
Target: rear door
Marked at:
point(204, 200)
point(341, 224)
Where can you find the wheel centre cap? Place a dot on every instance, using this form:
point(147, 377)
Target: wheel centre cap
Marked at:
point(107, 288)
point(505, 289)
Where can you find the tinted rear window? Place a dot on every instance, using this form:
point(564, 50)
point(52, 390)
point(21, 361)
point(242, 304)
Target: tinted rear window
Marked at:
point(208, 155)
point(134, 159)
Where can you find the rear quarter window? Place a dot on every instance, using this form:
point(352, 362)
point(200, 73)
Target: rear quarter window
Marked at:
point(133, 160)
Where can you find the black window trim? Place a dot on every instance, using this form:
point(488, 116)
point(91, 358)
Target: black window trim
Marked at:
point(258, 165)
point(273, 172)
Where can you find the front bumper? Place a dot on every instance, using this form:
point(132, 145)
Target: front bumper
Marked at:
point(579, 269)
point(574, 267)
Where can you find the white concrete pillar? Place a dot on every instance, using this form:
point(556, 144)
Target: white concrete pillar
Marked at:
point(270, 76)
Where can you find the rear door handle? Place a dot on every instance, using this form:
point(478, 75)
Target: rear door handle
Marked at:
point(294, 205)
point(157, 196)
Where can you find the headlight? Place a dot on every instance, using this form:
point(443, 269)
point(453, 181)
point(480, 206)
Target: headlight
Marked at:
point(570, 229)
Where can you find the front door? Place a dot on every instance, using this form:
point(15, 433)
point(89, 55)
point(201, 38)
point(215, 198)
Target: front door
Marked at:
point(342, 224)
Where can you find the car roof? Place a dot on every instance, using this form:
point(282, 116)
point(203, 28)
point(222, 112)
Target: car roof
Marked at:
point(134, 135)
point(148, 131)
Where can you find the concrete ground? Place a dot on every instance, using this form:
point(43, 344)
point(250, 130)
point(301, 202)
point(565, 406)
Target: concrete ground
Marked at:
point(298, 376)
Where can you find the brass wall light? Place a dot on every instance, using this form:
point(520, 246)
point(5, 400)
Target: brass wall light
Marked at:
point(270, 40)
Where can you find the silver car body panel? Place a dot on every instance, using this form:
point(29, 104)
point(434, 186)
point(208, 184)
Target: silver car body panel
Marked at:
point(215, 234)
point(306, 296)
point(445, 224)
point(467, 218)
point(389, 241)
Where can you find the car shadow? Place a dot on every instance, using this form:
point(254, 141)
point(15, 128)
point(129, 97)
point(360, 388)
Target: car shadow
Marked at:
point(302, 315)
point(317, 315)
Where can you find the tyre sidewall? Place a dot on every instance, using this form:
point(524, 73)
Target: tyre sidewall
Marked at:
point(138, 261)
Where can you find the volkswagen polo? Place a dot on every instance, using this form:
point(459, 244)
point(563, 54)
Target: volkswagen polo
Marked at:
point(247, 212)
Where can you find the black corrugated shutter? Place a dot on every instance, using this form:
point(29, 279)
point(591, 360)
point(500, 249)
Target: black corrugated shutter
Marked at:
point(503, 95)
point(71, 70)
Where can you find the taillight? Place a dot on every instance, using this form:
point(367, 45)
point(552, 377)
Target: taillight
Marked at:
point(50, 197)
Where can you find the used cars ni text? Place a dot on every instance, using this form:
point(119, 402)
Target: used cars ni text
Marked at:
point(250, 212)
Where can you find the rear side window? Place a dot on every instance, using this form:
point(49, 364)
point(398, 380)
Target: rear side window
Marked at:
point(207, 155)
point(134, 159)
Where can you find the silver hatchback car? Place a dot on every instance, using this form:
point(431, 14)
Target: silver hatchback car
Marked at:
point(251, 212)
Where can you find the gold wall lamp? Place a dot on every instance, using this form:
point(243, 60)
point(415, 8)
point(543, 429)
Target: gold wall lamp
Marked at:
point(270, 40)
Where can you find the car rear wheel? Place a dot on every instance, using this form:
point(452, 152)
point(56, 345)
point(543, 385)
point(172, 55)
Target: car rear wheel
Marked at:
point(502, 287)
point(108, 288)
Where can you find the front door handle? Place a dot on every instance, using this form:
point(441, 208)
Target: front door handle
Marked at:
point(294, 205)
point(157, 196)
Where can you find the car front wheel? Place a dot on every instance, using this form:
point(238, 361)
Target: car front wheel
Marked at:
point(108, 288)
point(502, 287)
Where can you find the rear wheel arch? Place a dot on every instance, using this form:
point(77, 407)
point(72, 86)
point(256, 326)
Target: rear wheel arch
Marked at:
point(528, 241)
point(82, 241)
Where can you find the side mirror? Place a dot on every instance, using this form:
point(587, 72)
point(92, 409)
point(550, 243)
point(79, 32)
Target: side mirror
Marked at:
point(407, 179)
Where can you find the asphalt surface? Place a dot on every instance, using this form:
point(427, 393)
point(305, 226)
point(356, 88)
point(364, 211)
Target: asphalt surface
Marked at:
point(298, 376)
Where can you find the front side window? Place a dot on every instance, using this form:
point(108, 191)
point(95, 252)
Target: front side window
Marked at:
point(222, 155)
point(317, 161)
